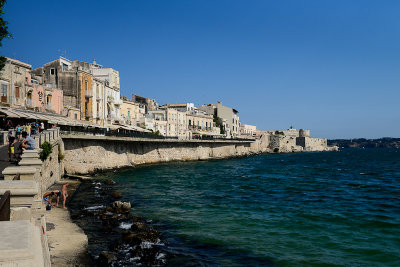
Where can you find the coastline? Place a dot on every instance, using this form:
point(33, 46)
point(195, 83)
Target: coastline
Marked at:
point(83, 155)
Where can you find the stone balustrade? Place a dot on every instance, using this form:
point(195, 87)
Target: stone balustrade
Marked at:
point(24, 197)
point(24, 239)
point(25, 172)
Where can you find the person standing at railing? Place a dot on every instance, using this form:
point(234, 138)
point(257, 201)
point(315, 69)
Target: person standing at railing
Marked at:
point(18, 132)
point(36, 128)
point(28, 129)
point(41, 126)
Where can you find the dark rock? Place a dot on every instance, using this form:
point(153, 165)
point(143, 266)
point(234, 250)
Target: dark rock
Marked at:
point(106, 258)
point(109, 182)
point(136, 219)
point(116, 195)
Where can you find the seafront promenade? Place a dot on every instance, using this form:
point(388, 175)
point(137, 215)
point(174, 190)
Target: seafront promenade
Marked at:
point(30, 237)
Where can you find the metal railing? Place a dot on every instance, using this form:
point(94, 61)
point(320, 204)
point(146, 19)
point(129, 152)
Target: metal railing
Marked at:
point(5, 206)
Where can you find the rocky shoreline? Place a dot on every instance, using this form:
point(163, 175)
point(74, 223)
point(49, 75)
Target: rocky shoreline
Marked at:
point(116, 237)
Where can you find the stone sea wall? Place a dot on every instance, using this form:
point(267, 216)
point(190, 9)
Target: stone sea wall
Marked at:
point(88, 154)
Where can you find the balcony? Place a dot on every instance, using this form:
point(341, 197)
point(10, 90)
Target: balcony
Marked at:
point(49, 106)
point(118, 102)
point(88, 114)
point(29, 103)
point(88, 93)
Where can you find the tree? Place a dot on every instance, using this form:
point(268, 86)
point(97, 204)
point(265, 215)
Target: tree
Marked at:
point(4, 33)
point(218, 123)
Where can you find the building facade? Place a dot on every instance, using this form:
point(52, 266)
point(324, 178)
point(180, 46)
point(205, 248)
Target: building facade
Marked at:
point(229, 118)
point(247, 130)
point(13, 83)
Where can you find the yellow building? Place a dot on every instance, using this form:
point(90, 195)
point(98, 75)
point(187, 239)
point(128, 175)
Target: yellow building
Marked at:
point(86, 97)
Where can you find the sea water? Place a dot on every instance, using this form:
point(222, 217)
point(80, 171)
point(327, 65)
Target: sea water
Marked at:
point(299, 209)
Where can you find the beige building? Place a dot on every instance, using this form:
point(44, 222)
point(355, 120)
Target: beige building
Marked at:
point(228, 117)
point(247, 130)
point(13, 83)
point(99, 103)
point(176, 123)
point(130, 112)
point(201, 124)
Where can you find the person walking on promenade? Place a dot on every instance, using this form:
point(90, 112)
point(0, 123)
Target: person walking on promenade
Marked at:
point(36, 128)
point(65, 194)
point(9, 125)
point(41, 126)
point(28, 143)
point(11, 140)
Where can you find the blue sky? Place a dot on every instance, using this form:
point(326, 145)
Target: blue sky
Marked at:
point(329, 66)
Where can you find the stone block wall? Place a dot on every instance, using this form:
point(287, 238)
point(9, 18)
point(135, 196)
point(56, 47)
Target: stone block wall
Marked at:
point(51, 171)
point(314, 144)
point(87, 156)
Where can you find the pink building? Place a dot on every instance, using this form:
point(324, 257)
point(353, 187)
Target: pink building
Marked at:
point(42, 98)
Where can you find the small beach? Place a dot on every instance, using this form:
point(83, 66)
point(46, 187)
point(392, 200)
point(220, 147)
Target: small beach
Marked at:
point(67, 242)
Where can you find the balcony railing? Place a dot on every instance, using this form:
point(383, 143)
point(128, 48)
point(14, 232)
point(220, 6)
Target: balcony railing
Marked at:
point(88, 114)
point(29, 103)
point(49, 106)
point(88, 93)
point(117, 102)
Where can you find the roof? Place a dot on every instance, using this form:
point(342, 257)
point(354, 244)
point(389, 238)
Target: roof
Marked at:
point(49, 117)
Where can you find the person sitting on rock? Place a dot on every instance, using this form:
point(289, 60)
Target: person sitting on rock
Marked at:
point(47, 197)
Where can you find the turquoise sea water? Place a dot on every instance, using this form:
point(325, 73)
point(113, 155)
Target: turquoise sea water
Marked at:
point(303, 209)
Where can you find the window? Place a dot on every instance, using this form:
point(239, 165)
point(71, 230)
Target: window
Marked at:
point(64, 67)
point(97, 90)
point(4, 90)
point(52, 71)
point(17, 92)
